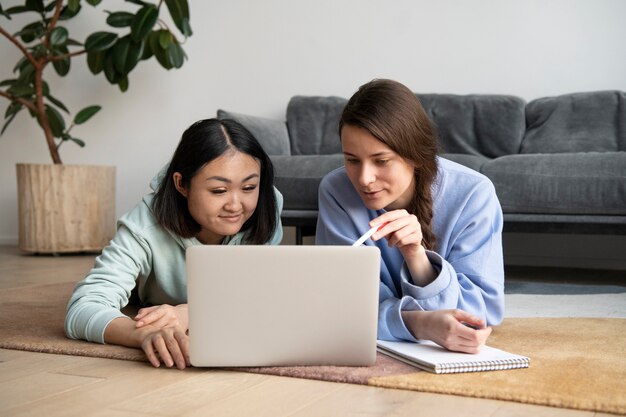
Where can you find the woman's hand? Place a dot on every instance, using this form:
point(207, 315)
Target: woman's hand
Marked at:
point(163, 315)
point(403, 231)
point(455, 330)
point(160, 331)
point(169, 344)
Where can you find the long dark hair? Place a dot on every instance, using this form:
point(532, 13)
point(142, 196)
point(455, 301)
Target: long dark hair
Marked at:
point(391, 112)
point(200, 144)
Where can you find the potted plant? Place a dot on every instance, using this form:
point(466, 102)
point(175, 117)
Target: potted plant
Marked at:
point(72, 208)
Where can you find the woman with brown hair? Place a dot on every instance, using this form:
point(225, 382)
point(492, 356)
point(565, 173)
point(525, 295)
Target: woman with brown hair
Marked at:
point(439, 223)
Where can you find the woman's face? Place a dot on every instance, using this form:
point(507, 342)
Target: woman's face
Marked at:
point(382, 178)
point(222, 195)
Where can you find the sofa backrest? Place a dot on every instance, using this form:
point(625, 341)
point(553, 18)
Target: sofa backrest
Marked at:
point(578, 122)
point(487, 125)
point(477, 124)
point(313, 124)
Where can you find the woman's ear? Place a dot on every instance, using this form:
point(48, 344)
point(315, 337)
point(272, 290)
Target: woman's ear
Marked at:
point(177, 177)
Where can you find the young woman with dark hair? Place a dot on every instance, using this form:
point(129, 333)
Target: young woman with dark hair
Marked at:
point(440, 223)
point(216, 190)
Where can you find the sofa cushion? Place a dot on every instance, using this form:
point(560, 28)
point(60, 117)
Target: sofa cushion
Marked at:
point(298, 178)
point(489, 125)
point(575, 183)
point(580, 122)
point(313, 124)
point(272, 134)
point(474, 162)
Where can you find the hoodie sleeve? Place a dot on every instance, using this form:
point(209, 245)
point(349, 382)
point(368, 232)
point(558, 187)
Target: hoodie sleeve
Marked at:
point(99, 298)
point(277, 237)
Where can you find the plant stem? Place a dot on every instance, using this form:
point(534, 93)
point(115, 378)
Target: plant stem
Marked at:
point(28, 104)
point(41, 113)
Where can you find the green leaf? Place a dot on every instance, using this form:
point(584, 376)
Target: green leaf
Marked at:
point(5, 14)
point(137, 2)
point(7, 123)
point(159, 53)
point(73, 42)
point(73, 5)
point(67, 12)
point(57, 103)
point(123, 84)
point(154, 40)
point(179, 10)
point(21, 91)
point(35, 5)
point(57, 124)
point(108, 67)
point(31, 32)
point(165, 39)
point(16, 10)
point(11, 81)
point(77, 141)
point(95, 60)
point(86, 114)
point(62, 66)
point(120, 19)
point(50, 6)
point(99, 41)
point(126, 54)
point(143, 22)
point(45, 89)
point(163, 58)
point(94, 2)
point(20, 64)
point(58, 36)
point(147, 50)
point(27, 73)
point(12, 109)
point(176, 55)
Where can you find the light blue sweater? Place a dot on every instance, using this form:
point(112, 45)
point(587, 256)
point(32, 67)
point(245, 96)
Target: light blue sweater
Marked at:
point(467, 223)
point(144, 255)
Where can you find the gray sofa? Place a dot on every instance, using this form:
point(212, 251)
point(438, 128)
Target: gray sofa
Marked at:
point(558, 163)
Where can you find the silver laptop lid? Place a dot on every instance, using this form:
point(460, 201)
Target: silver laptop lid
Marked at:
point(282, 305)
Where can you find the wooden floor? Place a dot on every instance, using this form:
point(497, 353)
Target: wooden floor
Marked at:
point(36, 384)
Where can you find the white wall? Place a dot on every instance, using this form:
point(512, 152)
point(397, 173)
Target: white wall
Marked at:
point(252, 56)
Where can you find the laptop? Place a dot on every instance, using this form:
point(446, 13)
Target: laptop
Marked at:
point(282, 305)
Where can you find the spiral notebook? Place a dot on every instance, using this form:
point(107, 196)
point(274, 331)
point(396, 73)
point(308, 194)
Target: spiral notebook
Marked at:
point(431, 357)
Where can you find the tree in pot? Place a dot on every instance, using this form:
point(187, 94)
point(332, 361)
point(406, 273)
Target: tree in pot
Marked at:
point(44, 40)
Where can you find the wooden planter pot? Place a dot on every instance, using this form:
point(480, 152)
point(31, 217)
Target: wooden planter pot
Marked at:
point(65, 208)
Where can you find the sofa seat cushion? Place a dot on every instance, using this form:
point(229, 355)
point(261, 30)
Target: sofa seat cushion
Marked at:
point(474, 162)
point(576, 183)
point(298, 177)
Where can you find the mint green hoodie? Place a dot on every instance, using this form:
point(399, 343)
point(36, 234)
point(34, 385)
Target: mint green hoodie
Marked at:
point(142, 254)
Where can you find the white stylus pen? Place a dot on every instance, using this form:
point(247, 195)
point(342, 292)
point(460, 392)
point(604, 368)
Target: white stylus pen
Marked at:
point(367, 235)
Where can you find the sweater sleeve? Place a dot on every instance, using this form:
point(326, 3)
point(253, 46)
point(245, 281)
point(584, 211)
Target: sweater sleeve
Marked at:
point(471, 275)
point(337, 225)
point(99, 298)
point(470, 267)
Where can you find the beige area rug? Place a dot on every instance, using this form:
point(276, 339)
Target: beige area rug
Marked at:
point(575, 363)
